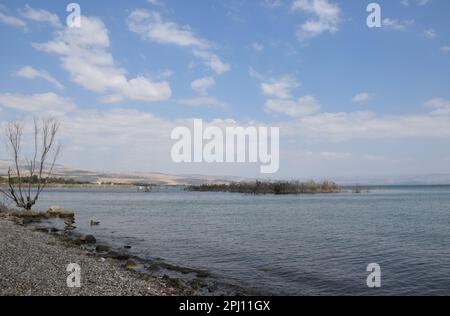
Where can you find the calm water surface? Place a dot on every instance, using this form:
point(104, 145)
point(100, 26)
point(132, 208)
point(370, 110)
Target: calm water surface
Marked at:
point(308, 244)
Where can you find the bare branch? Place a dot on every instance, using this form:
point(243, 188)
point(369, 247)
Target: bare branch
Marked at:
point(48, 151)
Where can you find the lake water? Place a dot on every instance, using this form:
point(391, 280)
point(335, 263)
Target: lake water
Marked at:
point(297, 245)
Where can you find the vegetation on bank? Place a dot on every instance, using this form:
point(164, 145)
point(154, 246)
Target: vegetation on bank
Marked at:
point(278, 188)
point(34, 180)
point(3, 208)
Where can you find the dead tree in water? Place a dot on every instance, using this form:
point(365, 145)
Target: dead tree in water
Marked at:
point(26, 183)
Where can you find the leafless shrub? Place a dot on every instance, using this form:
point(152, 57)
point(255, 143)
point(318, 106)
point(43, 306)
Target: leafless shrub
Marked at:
point(24, 194)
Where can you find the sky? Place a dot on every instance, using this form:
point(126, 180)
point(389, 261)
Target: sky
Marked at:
point(349, 100)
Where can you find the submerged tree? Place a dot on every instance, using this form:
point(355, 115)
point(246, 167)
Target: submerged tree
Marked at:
point(24, 194)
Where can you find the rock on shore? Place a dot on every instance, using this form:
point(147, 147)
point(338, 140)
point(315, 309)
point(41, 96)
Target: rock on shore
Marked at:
point(33, 263)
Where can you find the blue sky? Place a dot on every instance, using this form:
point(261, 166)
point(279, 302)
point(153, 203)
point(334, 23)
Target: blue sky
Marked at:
point(350, 100)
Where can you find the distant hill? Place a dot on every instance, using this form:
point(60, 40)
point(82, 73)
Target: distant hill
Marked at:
point(423, 179)
point(128, 178)
point(169, 179)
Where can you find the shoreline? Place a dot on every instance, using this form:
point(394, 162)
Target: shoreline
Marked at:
point(34, 263)
point(35, 256)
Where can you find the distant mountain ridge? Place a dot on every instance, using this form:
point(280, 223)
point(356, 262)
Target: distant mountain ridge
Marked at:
point(170, 179)
point(423, 179)
point(127, 177)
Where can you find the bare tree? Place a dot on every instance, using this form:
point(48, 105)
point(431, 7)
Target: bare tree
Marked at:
point(26, 182)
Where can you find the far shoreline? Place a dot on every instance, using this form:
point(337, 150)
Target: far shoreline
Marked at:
point(185, 187)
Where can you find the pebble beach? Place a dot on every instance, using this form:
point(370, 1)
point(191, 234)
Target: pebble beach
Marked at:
point(35, 264)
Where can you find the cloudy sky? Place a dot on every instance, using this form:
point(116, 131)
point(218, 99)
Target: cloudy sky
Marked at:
point(349, 100)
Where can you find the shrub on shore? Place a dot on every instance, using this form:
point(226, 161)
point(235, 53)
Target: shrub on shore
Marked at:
point(34, 180)
point(3, 208)
point(278, 188)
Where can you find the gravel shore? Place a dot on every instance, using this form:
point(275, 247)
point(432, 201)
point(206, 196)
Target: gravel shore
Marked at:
point(33, 263)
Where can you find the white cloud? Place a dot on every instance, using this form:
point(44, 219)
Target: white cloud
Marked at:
point(445, 49)
point(406, 3)
point(167, 73)
point(124, 139)
point(272, 3)
point(203, 84)
point(324, 155)
point(119, 138)
point(430, 34)
point(361, 97)
point(111, 98)
point(12, 21)
point(326, 17)
point(280, 87)
point(83, 53)
point(40, 15)
point(440, 106)
point(29, 72)
point(304, 106)
point(212, 61)
point(257, 47)
point(44, 103)
point(347, 126)
point(205, 101)
point(151, 26)
point(398, 25)
point(155, 2)
point(118, 126)
point(377, 158)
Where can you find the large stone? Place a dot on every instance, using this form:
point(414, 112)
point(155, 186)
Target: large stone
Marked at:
point(118, 255)
point(41, 229)
point(56, 208)
point(102, 248)
point(58, 211)
point(88, 239)
point(131, 264)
